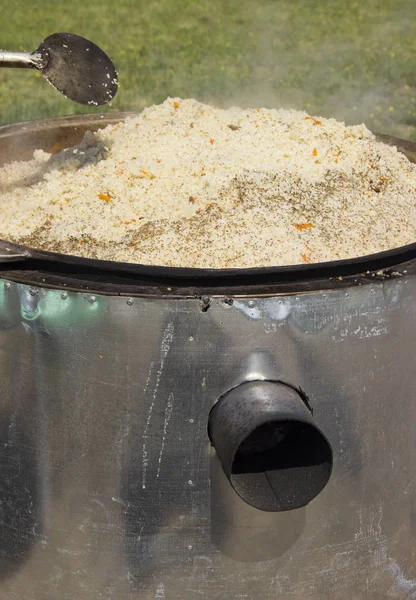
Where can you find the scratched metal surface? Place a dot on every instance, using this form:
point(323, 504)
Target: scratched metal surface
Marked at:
point(109, 488)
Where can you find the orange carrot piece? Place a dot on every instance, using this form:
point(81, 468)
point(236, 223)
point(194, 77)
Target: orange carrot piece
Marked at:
point(105, 197)
point(300, 226)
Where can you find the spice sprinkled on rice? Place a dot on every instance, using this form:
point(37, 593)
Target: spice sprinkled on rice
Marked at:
point(185, 184)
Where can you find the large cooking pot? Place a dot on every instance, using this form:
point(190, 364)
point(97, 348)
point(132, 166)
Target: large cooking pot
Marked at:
point(183, 433)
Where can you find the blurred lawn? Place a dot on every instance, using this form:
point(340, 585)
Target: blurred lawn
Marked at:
point(352, 60)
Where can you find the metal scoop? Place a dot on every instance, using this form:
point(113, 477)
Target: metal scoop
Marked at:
point(76, 67)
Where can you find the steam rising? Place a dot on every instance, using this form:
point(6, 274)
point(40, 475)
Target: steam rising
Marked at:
point(353, 69)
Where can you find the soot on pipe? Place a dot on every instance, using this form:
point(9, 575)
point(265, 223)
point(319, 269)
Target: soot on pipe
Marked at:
point(271, 449)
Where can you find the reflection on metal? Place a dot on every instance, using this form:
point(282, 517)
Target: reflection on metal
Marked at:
point(109, 487)
point(10, 252)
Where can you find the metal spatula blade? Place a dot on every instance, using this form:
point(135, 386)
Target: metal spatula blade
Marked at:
point(76, 67)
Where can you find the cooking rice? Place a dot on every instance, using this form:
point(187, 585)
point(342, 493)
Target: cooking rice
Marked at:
point(185, 184)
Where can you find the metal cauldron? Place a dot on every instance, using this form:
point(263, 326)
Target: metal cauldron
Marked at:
point(181, 434)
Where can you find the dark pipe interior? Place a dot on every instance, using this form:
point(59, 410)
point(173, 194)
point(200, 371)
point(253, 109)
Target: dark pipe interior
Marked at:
point(282, 445)
point(294, 458)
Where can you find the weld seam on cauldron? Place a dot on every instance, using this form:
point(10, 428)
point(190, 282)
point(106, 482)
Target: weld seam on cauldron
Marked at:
point(271, 449)
point(55, 275)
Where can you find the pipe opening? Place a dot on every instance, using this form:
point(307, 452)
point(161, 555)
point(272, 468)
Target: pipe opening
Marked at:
point(281, 445)
point(271, 449)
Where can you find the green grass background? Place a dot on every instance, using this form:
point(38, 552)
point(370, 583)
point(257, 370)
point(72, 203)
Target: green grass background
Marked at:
point(353, 60)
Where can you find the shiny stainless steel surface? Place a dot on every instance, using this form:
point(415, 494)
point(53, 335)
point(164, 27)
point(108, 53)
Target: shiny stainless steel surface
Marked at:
point(31, 60)
point(110, 489)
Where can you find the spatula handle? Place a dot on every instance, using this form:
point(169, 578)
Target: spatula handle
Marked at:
point(20, 59)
